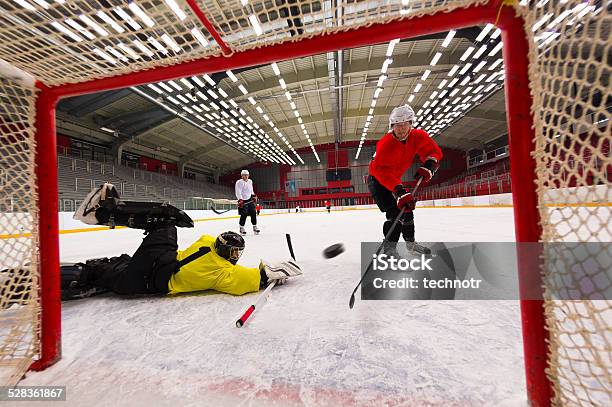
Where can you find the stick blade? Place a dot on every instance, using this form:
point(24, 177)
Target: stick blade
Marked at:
point(352, 301)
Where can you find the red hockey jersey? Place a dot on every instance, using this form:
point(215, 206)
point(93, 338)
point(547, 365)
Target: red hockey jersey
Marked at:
point(394, 157)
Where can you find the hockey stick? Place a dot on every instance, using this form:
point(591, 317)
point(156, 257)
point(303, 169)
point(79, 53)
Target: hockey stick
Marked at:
point(260, 300)
point(219, 212)
point(352, 300)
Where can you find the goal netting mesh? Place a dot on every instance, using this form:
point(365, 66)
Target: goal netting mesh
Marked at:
point(62, 41)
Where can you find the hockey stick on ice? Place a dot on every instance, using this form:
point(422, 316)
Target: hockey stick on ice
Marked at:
point(352, 300)
point(261, 299)
point(219, 212)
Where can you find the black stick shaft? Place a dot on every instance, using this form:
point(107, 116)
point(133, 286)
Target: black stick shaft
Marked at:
point(290, 245)
point(380, 247)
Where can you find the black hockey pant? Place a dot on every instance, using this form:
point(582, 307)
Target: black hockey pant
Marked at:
point(386, 203)
point(248, 210)
point(147, 271)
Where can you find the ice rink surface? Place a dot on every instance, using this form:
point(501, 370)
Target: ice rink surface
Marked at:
point(305, 346)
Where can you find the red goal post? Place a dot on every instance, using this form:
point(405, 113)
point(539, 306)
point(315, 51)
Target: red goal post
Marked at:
point(520, 78)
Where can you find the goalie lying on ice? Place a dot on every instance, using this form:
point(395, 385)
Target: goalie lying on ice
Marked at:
point(159, 267)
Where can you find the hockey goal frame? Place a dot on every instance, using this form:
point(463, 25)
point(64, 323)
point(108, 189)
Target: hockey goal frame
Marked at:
point(521, 143)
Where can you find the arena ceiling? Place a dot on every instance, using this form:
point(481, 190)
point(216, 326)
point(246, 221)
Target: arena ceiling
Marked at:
point(226, 120)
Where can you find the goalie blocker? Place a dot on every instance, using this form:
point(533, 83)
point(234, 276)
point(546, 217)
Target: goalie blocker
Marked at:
point(103, 206)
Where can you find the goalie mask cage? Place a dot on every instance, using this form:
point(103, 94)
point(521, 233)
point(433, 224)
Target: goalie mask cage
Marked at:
point(556, 61)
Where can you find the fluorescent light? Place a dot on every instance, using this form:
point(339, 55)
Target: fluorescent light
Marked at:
point(211, 93)
point(105, 56)
point(107, 129)
point(183, 99)
point(255, 24)
point(131, 22)
point(173, 100)
point(425, 74)
point(225, 105)
point(209, 79)
point(157, 45)
point(231, 75)
point(155, 88)
point(453, 70)
point(242, 89)
point(185, 82)
point(448, 38)
point(467, 53)
point(465, 68)
point(479, 66)
point(495, 64)
point(259, 110)
point(453, 82)
point(391, 47)
point(480, 78)
point(465, 81)
point(142, 48)
point(116, 54)
point(292, 104)
point(26, 5)
point(103, 16)
point(275, 68)
point(466, 90)
point(79, 28)
point(140, 13)
point(177, 10)
point(281, 81)
point(252, 101)
point(436, 58)
point(385, 65)
point(288, 95)
point(480, 51)
point(175, 85)
point(199, 36)
point(418, 87)
point(59, 27)
point(93, 25)
point(442, 84)
point(170, 42)
point(496, 49)
point(222, 92)
point(484, 32)
point(381, 79)
point(433, 95)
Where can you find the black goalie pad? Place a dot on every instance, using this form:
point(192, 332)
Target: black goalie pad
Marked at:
point(143, 215)
point(103, 206)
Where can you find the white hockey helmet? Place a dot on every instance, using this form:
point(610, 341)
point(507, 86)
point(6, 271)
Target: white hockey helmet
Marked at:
point(401, 114)
point(244, 172)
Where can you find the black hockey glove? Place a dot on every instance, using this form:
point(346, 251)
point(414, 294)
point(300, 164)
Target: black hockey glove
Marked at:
point(427, 170)
point(405, 200)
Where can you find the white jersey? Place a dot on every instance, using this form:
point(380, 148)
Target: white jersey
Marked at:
point(244, 189)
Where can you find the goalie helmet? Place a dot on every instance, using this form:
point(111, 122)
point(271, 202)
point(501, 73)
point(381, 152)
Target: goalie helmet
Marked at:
point(401, 114)
point(229, 245)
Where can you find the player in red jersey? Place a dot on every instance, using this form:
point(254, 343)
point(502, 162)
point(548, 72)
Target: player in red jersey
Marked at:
point(395, 152)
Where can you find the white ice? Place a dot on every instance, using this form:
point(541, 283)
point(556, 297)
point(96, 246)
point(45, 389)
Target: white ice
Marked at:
point(304, 347)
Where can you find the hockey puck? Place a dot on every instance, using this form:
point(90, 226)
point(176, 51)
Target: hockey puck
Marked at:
point(333, 250)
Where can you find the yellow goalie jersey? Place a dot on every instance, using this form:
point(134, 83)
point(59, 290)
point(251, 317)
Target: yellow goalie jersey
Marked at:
point(212, 272)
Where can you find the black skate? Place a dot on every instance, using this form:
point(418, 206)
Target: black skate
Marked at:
point(242, 230)
point(256, 229)
point(390, 249)
point(103, 207)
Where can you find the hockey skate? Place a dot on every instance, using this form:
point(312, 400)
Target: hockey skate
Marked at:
point(104, 207)
point(417, 248)
point(256, 229)
point(242, 230)
point(390, 249)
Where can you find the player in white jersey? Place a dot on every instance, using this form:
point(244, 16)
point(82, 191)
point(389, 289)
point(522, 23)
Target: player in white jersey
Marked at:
point(246, 201)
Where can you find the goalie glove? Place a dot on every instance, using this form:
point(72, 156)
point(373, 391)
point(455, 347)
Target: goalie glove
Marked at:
point(279, 273)
point(427, 170)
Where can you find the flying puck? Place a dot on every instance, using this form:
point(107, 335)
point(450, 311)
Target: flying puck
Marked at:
point(333, 250)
